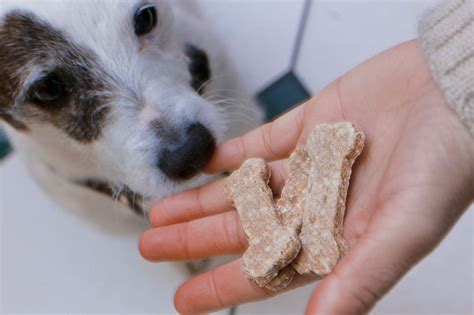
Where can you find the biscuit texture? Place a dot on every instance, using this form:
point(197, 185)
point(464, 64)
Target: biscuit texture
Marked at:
point(332, 149)
point(302, 231)
point(272, 246)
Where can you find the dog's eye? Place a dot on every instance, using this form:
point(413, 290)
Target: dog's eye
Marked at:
point(145, 20)
point(48, 90)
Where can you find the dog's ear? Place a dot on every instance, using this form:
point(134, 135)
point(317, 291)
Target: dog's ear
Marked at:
point(5, 100)
point(7, 117)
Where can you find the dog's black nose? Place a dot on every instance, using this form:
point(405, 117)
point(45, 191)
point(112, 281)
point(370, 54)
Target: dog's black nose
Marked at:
point(185, 157)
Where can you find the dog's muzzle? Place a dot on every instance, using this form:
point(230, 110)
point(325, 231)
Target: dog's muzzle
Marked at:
point(185, 156)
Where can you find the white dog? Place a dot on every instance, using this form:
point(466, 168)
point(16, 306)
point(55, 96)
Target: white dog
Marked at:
point(115, 98)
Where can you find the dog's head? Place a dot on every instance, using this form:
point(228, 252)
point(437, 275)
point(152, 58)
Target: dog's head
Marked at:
point(115, 89)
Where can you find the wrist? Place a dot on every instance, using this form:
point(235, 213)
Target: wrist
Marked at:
point(402, 78)
point(456, 134)
point(453, 134)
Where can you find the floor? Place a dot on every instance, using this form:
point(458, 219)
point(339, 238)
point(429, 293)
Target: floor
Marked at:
point(54, 263)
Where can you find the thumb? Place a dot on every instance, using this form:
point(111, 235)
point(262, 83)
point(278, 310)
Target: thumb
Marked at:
point(385, 252)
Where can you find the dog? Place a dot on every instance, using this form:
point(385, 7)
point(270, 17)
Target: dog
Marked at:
point(116, 103)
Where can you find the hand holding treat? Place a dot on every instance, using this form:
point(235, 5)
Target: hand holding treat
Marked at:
point(413, 180)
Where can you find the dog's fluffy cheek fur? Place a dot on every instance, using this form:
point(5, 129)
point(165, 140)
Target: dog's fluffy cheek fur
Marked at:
point(124, 155)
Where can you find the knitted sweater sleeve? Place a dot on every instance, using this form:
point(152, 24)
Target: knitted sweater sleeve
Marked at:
point(447, 38)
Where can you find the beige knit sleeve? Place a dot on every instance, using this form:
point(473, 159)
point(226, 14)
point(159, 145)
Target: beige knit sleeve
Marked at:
point(447, 38)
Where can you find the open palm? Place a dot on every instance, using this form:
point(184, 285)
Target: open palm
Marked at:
point(409, 186)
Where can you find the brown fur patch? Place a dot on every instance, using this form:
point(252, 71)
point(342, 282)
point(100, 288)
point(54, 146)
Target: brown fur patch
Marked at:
point(25, 42)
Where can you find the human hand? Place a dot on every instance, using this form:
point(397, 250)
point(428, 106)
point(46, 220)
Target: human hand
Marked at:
point(412, 182)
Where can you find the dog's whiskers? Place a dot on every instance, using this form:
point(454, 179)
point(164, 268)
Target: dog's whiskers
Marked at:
point(235, 111)
point(117, 192)
point(205, 83)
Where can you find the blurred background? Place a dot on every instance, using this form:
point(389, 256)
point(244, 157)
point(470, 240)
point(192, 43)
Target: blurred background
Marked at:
point(52, 262)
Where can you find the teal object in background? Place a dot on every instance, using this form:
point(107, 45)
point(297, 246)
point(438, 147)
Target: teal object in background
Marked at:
point(283, 94)
point(288, 90)
point(5, 146)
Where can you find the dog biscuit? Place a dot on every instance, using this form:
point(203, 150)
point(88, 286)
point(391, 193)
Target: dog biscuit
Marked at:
point(311, 206)
point(272, 246)
point(332, 149)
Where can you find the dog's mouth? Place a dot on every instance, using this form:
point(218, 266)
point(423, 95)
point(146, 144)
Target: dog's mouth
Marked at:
point(120, 193)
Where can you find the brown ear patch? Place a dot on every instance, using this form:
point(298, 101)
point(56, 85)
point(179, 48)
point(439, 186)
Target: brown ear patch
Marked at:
point(27, 43)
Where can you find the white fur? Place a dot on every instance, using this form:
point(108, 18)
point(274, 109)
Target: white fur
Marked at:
point(149, 80)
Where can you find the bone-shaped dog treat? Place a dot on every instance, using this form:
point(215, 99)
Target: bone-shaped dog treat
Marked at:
point(312, 203)
point(332, 150)
point(320, 170)
point(272, 246)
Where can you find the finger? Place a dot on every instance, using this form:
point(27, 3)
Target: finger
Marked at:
point(192, 204)
point(272, 141)
point(378, 260)
point(206, 200)
point(217, 289)
point(216, 235)
point(279, 174)
point(221, 288)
